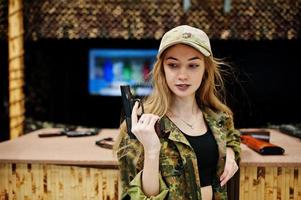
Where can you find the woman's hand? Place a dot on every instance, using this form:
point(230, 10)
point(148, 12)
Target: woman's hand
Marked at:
point(144, 130)
point(230, 167)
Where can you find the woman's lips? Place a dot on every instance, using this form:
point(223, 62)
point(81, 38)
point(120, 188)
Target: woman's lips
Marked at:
point(182, 87)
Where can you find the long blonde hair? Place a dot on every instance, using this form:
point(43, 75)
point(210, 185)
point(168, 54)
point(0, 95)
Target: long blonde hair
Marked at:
point(210, 94)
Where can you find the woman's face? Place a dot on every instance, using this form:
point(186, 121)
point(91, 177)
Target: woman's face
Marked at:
point(184, 67)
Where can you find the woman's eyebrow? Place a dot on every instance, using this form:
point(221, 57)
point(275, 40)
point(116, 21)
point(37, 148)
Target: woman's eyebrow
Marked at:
point(172, 58)
point(194, 58)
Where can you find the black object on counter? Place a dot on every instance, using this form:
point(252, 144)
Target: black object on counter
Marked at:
point(293, 130)
point(71, 133)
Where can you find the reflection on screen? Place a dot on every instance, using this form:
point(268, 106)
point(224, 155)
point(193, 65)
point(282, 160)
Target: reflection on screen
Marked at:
point(110, 68)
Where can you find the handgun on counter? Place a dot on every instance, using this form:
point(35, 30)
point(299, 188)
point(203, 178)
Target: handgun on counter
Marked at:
point(260, 146)
point(128, 102)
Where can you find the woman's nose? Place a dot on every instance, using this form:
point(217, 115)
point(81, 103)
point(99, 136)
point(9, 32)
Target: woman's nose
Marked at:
point(182, 74)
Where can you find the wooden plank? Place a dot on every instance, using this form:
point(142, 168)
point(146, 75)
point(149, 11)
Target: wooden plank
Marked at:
point(286, 181)
point(4, 181)
point(95, 175)
point(72, 179)
point(13, 186)
point(19, 179)
point(100, 186)
point(104, 186)
point(261, 183)
point(35, 176)
point(246, 183)
point(279, 183)
point(291, 183)
point(111, 183)
point(242, 183)
point(28, 182)
point(268, 183)
point(253, 182)
point(48, 181)
point(67, 194)
point(89, 191)
point(62, 186)
point(80, 185)
point(41, 181)
point(274, 182)
point(299, 185)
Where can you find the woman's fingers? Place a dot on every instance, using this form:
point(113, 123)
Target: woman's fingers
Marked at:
point(225, 173)
point(145, 132)
point(134, 114)
point(229, 171)
point(225, 180)
point(224, 177)
point(153, 120)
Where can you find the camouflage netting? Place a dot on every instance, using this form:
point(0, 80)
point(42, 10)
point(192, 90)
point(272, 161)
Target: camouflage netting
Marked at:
point(101, 19)
point(252, 19)
point(3, 19)
point(143, 19)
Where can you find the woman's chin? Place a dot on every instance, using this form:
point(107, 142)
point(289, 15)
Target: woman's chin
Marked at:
point(183, 94)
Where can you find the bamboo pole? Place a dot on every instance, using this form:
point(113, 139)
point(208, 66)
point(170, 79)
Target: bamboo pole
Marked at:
point(16, 68)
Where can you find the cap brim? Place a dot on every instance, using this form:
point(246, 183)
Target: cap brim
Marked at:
point(199, 48)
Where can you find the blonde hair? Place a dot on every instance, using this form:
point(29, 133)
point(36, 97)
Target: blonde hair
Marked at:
point(211, 93)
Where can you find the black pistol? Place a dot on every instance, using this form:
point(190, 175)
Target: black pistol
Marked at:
point(128, 102)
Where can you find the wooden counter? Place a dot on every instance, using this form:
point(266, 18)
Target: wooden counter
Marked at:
point(291, 157)
point(75, 168)
point(272, 177)
point(59, 150)
point(58, 168)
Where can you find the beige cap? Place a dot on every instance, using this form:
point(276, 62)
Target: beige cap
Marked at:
point(185, 34)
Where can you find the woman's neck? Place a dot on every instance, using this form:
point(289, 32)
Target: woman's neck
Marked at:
point(184, 107)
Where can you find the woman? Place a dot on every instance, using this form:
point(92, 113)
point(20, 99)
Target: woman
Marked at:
point(202, 149)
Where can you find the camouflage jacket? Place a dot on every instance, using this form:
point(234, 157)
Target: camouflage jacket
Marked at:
point(178, 165)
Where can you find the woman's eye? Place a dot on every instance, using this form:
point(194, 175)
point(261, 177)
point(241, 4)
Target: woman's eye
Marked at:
point(172, 65)
point(194, 65)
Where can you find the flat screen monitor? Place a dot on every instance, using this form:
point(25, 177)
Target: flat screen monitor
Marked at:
point(110, 68)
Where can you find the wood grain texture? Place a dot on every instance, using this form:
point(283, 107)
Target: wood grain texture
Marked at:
point(275, 183)
point(16, 68)
point(41, 181)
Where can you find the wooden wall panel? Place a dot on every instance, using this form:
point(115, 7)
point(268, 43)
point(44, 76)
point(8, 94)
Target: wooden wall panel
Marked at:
point(41, 181)
point(283, 183)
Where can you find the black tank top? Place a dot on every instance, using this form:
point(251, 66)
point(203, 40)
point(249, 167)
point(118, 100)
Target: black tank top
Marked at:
point(206, 150)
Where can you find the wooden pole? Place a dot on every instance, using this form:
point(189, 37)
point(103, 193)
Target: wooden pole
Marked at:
point(16, 68)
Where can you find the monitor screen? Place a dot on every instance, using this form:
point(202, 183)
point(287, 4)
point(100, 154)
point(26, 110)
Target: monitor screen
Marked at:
point(110, 68)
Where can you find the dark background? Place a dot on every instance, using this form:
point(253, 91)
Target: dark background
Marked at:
point(4, 123)
point(263, 87)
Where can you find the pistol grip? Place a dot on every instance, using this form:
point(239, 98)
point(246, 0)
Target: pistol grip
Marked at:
point(129, 128)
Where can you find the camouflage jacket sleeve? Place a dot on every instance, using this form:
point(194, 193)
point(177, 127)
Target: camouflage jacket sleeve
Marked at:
point(130, 158)
point(233, 137)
